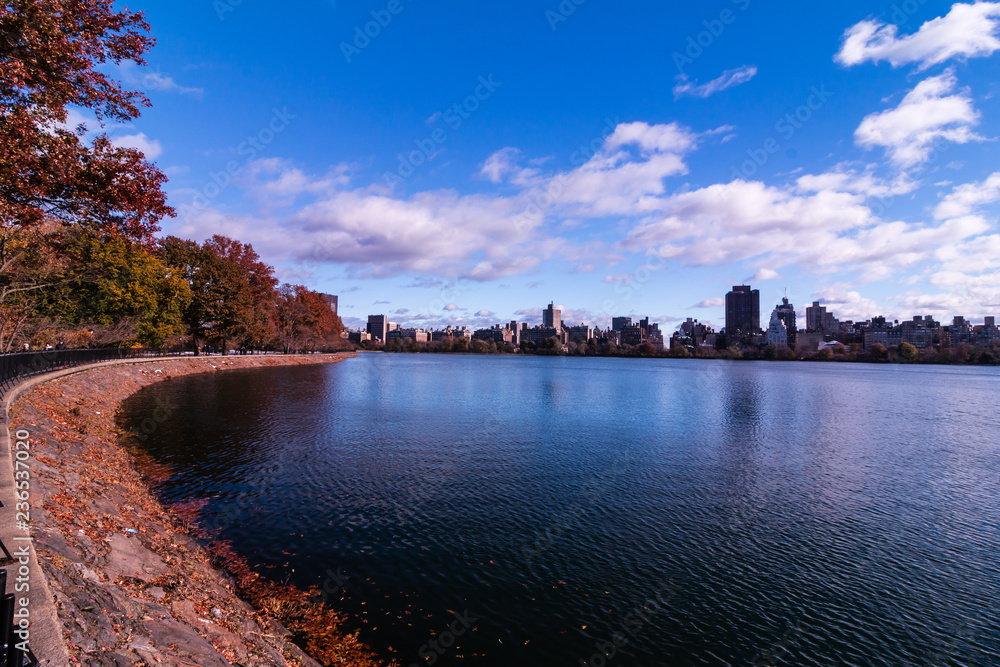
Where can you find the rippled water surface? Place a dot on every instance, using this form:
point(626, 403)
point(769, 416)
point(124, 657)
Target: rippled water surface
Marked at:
point(696, 513)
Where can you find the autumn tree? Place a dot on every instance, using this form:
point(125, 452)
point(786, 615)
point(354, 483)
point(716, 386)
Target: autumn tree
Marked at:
point(305, 320)
point(116, 281)
point(233, 295)
point(52, 177)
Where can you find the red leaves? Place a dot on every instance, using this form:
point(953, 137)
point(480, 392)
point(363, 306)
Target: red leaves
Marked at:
point(49, 50)
point(49, 53)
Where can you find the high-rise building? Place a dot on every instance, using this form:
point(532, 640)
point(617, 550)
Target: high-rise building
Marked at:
point(815, 317)
point(619, 323)
point(552, 318)
point(516, 340)
point(777, 332)
point(742, 311)
point(818, 319)
point(786, 313)
point(651, 331)
point(378, 327)
point(333, 301)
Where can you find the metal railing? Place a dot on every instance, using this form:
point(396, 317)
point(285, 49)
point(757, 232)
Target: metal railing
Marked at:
point(14, 651)
point(19, 365)
point(16, 366)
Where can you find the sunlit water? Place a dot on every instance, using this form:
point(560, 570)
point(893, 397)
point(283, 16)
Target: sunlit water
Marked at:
point(696, 513)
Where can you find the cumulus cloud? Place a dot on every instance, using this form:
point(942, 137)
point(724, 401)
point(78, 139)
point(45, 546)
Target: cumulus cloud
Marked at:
point(843, 178)
point(764, 274)
point(847, 304)
point(714, 302)
point(373, 233)
point(626, 176)
point(929, 113)
point(824, 231)
point(823, 223)
point(151, 148)
point(75, 118)
point(451, 306)
point(728, 79)
point(965, 199)
point(485, 313)
point(967, 31)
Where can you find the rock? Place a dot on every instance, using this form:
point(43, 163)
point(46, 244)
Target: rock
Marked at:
point(128, 558)
point(168, 632)
point(108, 591)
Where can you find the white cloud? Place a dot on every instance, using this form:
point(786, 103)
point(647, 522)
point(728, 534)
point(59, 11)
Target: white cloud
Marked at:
point(928, 114)
point(763, 274)
point(822, 223)
point(845, 179)
point(728, 79)
point(976, 256)
point(619, 278)
point(150, 147)
point(302, 218)
point(617, 182)
point(501, 163)
point(964, 199)
point(75, 118)
point(714, 302)
point(825, 231)
point(669, 138)
point(451, 306)
point(485, 313)
point(967, 31)
point(847, 304)
point(147, 80)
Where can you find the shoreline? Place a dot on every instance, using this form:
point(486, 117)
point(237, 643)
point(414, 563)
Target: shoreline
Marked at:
point(124, 579)
point(807, 360)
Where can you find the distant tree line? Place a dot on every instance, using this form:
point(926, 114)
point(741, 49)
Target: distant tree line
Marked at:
point(901, 354)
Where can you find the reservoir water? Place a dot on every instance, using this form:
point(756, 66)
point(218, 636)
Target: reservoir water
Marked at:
point(563, 511)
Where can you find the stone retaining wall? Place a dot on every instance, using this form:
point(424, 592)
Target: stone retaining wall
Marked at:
point(114, 579)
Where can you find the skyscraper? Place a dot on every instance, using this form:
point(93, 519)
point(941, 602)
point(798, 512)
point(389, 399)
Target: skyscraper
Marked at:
point(742, 311)
point(786, 313)
point(619, 323)
point(552, 317)
point(333, 301)
point(378, 327)
point(818, 319)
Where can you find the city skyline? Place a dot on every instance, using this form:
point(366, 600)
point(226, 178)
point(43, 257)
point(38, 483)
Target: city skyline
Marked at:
point(744, 328)
point(843, 153)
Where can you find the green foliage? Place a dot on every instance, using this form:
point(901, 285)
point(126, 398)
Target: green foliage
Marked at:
point(908, 352)
point(114, 279)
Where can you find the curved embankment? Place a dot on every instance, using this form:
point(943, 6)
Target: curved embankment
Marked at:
point(114, 578)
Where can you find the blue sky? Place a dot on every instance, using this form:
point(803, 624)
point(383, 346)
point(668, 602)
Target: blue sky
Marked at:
point(468, 164)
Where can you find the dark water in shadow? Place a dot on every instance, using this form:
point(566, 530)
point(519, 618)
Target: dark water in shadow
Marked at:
point(698, 513)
